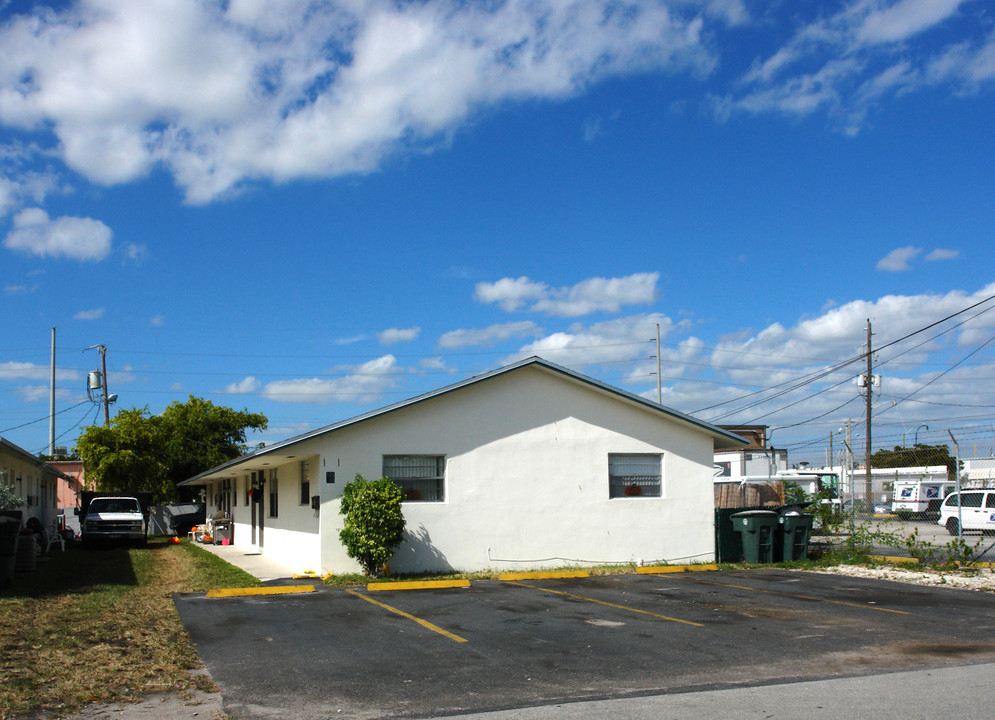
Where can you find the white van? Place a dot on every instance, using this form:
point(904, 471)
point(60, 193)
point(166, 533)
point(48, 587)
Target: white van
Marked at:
point(977, 511)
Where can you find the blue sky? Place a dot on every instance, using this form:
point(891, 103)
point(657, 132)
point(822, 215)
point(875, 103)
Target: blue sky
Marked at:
point(311, 210)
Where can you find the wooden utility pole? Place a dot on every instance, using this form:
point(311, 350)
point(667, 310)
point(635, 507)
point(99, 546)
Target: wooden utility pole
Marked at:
point(107, 408)
point(868, 388)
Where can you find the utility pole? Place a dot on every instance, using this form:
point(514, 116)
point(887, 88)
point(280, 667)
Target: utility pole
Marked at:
point(868, 388)
point(51, 404)
point(849, 459)
point(107, 408)
point(659, 389)
point(103, 372)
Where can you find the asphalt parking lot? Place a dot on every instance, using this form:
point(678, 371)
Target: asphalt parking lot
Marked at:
point(537, 642)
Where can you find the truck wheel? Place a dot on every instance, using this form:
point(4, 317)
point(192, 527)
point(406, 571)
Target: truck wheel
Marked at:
point(952, 526)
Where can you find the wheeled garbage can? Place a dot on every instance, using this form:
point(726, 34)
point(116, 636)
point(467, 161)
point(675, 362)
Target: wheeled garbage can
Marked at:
point(756, 529)
point(794, 528)
point(10, 528)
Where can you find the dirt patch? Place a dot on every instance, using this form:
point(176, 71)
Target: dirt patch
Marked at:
point(953, 651)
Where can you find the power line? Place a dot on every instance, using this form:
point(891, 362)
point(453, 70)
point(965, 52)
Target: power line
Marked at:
point(42, 419)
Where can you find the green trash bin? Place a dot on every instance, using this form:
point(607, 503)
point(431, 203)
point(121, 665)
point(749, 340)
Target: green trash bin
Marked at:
point(756, 529)
point(795, 529)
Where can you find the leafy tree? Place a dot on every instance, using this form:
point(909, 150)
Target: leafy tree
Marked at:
point(197, 435)
point(140, 451)
point(127, 455)
point(915, 456)
point(374, 523)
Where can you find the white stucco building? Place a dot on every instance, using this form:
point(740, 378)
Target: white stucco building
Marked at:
point(528, 466)
point(31, 479)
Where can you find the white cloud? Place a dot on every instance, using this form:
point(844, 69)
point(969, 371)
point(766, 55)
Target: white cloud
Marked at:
point(360, 384)
point(34, 233)
point(94, 314)
point(903, 19)
point(943, 254)
point(19, 183)
point(510, 293)
point(136, 253)
point(391, 336)
point(435, 363)
point(349, 340)
point(600, 295)
point(898, 259)
point(224, 94)
point(486, 337)
point(247, 385)
point(845, 63)
point(613, 341)
point(17, 289)
point(158, 321)
point(586, 297)
point(10, 371)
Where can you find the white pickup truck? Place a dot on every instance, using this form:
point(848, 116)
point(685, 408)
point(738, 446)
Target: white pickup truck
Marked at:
point(114, 518)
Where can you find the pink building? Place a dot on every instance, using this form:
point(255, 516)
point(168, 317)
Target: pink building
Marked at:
point(72, 484)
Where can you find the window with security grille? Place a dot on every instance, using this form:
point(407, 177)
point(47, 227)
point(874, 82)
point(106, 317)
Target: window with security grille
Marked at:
point(305, 482)
point(421, 477)
point(634, 475)
point(274, 494)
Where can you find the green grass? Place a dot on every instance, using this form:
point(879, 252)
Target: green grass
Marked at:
point(100, 625)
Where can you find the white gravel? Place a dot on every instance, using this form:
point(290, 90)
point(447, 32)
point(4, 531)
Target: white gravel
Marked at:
point(970, 579)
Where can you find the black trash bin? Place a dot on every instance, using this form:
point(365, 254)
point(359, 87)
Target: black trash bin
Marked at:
point(756, 529)
point(794, 527)
point(10, 529)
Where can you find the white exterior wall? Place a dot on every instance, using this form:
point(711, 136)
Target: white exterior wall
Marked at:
point(31, 480)
point(526, 479)
point(291, 537)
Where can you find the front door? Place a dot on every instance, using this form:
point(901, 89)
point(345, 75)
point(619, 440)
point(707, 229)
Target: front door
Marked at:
point(256, 507)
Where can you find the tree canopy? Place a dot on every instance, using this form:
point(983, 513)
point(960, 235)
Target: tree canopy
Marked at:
point(141, 451)
point(916, 456)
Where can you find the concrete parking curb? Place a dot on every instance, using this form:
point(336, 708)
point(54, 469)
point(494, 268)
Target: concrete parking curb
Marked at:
point(417, 585)
point(271, 590)
point(661, 569)
point(553, 575)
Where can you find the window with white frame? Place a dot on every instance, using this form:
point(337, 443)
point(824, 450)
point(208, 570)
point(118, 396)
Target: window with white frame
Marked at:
point(421, 477)
point(634, 475)
point(305, 482)
point(274, 493)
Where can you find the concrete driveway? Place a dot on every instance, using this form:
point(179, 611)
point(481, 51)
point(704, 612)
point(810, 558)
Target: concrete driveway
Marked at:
point(537, 643)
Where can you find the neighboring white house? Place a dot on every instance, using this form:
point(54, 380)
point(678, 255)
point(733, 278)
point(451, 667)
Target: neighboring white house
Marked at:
point(31, 479)
point(528, 466)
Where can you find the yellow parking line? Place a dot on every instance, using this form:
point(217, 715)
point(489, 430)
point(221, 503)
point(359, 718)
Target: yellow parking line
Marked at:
point(418, 585)
point(272, 590)
point(424, 623)
point(553, 575)
point(613, 605)
point(801, 597)
point(663, 569)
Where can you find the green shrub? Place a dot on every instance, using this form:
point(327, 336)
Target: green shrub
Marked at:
point(374, 524)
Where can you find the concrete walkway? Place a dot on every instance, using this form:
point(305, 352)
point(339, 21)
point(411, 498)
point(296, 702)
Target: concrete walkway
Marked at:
point(249, 559)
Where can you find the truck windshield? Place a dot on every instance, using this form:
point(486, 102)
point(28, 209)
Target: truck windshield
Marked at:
point(114, 505)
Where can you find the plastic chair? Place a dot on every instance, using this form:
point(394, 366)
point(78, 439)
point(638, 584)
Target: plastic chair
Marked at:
point(55, 536)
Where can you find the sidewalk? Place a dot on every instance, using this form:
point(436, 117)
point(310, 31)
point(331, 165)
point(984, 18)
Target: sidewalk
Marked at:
point(252, 562)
